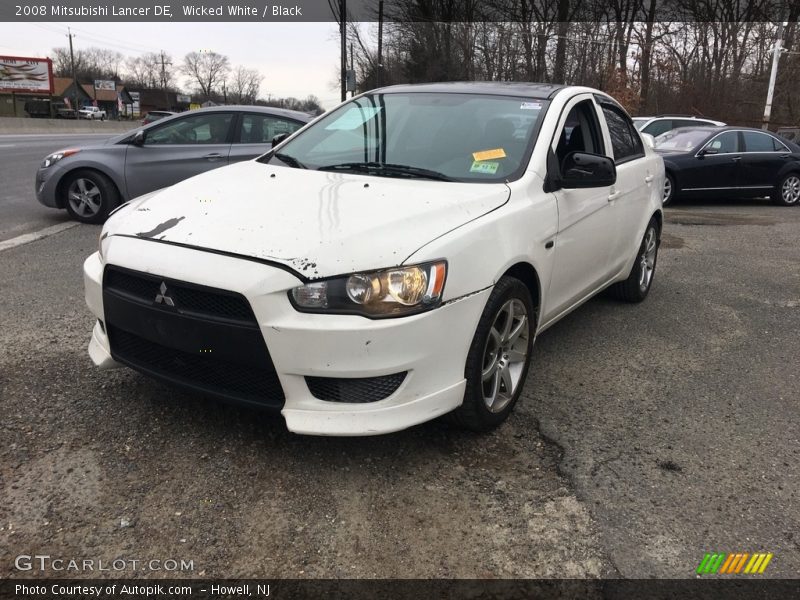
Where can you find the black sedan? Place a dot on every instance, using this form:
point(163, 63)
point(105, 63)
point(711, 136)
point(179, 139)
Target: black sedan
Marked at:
point(729, 162)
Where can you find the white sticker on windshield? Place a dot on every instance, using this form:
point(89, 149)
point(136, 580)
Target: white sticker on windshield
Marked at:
point(530, 106)
point(354, 117)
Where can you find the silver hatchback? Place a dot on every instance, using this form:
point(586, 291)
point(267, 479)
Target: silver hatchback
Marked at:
point(90, 181)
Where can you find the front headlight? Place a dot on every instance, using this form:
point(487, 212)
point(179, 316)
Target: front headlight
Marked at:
point(377, 294)
point(57, 156)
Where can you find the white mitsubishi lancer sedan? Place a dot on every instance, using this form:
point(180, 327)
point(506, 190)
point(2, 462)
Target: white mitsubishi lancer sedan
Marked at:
point(388, 263)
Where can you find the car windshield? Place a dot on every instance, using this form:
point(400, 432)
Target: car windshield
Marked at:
point(639, 122)
point(443, 136)
point(681, 139)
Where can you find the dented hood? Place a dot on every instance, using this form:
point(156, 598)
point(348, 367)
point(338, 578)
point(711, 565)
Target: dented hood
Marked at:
point(317, 223)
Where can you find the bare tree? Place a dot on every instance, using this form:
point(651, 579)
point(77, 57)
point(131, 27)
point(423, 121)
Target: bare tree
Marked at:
point(90, 63)
point(144, 71)
point(244, 85)
point(206, 70)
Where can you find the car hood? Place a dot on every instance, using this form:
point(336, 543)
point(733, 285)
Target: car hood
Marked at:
point(317, 223)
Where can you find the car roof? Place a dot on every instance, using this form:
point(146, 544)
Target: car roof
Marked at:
point(285, 112)
point(539, 91)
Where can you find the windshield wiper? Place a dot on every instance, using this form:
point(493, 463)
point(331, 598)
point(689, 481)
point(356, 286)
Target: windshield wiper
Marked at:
point(387, 169)
point(290, 160)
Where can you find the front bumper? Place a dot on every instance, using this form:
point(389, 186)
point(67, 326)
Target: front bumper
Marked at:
point(431, 347)
point(46, 186)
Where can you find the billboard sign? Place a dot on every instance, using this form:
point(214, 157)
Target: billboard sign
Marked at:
point(26, 75)
point(102, 84)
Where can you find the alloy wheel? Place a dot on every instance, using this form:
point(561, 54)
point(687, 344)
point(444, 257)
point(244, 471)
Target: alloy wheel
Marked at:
point(647, 259)
point(790, 190)
point(84, 197)
point(667, 189)
point(505, 355)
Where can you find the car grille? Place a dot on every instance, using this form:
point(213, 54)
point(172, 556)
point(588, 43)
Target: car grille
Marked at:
point(355, 390)
point(203, 341)
point(189, 298)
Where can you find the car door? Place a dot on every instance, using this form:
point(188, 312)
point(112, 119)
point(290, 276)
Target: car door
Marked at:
point(178, 149)
point(635, 174)
point(255, 132)
point(763, 158)
point(714, 168)
point(586, 226)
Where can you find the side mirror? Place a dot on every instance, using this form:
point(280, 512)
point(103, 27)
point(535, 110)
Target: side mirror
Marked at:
point(585, 170)
point(138, 138)
point(705, 151)
point(649, 139)
point(279, 138)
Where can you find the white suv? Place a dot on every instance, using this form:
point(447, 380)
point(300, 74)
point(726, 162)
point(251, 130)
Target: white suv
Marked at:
point(388, 263)
point(655, 126)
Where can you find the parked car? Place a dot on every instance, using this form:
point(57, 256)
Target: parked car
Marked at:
point(92, 113)
point(90, 181)
point(62, 111)
point(38, 108)
point(729, 162)
point(155, 115)
point(655, 126)
point(386, 264)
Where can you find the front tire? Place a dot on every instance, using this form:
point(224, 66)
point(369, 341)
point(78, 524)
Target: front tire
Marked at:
point(787, 192)
point(499, 357)
point(89, 196)
point(669, 190)
point(636, 287)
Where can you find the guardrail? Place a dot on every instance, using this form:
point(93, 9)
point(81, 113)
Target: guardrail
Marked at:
point(16, 125)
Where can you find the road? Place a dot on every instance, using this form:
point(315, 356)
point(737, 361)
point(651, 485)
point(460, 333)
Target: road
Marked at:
point(20, 156)
point(647, 436)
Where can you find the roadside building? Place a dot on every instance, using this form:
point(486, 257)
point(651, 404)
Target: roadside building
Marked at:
point(156, 99)
point(116, 102)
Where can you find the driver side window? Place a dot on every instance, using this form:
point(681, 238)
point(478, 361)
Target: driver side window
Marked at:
point(209, 128)
point(725, 143)
point(581, 132)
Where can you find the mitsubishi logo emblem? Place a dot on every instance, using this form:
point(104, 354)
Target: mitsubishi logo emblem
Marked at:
point(162, 298)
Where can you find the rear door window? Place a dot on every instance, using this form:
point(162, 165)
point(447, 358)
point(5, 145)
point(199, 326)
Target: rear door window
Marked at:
point(760, 142)
point(625, 139)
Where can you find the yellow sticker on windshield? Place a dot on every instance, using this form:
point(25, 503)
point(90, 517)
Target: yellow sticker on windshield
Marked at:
point(489, 154)
point(487, 168)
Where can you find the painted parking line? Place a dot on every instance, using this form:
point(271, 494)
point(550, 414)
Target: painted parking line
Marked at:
point(36, 235)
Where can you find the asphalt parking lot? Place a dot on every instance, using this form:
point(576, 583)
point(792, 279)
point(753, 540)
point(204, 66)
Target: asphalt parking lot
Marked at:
point(647, 436)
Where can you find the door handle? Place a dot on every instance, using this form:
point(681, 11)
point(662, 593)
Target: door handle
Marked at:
point(736, 158)
point(614, 195)
point(212, 156)
point(648, 179)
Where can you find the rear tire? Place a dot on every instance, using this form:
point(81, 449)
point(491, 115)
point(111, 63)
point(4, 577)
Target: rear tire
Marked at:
point(499, 357)
point(787, 192)
point(636, 287)
point(89, 196)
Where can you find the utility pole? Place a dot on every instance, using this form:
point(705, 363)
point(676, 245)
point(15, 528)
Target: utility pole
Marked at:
point(164, 80)
point(71, 35)
point(776, 57)
point(378, 76)
point(342, 32)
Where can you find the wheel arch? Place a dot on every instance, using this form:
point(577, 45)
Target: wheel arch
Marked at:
point(61, 200)
point(527, 274)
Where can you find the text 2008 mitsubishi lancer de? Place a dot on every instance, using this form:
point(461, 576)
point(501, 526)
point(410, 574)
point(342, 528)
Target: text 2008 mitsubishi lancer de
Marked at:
point(390, 262)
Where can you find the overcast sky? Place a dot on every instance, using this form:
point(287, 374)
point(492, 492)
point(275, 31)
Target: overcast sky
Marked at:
point(296, 59)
